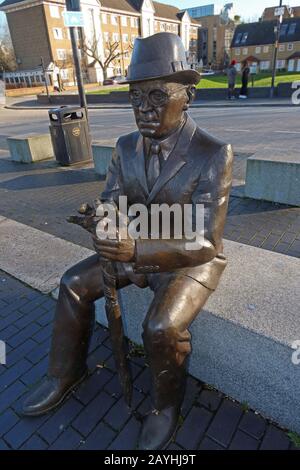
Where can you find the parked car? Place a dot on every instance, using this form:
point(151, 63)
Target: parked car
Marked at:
point(113, 80)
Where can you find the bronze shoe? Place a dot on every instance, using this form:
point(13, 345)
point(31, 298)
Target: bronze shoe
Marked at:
point(50, 393)
point(158, 429)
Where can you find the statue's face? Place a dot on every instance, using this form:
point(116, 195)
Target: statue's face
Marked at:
point(158, 106)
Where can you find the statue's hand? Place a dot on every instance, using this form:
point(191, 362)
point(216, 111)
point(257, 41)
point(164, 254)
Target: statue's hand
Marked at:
point(115, 250)
point(88, 218)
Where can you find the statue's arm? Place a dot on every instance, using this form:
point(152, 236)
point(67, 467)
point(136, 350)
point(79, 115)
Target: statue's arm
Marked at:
point(213, 193)
point(113, 187)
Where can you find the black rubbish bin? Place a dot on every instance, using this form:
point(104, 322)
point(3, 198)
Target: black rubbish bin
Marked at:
point(70, 135)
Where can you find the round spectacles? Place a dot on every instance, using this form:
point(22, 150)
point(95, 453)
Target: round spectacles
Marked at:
point(155, 97)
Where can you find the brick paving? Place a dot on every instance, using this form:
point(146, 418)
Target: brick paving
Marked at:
point(43, 196)
point(95, 415)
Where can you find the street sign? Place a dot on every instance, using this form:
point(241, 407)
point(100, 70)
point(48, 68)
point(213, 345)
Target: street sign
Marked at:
point(279, 11)
point(73, 19)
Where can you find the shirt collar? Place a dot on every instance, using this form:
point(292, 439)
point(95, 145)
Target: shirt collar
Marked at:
point(167, 144)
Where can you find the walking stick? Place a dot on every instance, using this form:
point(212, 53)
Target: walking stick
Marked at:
point(89, 222)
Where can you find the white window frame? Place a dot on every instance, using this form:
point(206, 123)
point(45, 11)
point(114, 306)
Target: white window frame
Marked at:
point(258, 50)
point(264, 65)
point(281, 48)
point(116, 37)
point(125, 38)
point(106, 36)
point(114, 20)
point(104, 18)
point(245, 50)
point(58, 33)
point(290, 46)
point(238, 51)
point(61, 54)
point(54, 11)
point(280, 64)
point(124, 21)
point(266, 49)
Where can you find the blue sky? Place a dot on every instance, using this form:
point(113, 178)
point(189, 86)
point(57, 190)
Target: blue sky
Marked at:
point(246, 8)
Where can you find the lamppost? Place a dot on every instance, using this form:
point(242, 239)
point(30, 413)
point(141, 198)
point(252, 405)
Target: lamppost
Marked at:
point(74, 5)
point(279, 12)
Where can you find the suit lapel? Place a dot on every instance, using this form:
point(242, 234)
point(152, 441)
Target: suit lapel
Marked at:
point(139, 165)
point(176, 160)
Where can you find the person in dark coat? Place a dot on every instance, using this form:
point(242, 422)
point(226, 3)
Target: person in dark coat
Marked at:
point(245, 80)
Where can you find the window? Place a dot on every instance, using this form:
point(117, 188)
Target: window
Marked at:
point(57, 33)
point(258, 50)
point(280, 64)
point(125, 38)
point(106, 36)
point(283, 29)
point(134, 22)
point(126, 54)
point(266, 49)
point(114, 20)
point(238, 52)
point(290, 47)
point(245, 51)
point(264, 65)
point(115, 37)
point(292, 29)
point(64, 74)
point(124, 20)
point(54, 11)
point(163, 26)
point(244, 38)
point(104, 18)
point(238, 38)
point(61, 54)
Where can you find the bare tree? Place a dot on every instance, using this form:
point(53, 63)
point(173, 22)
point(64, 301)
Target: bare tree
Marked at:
point(112, 52)
point(7, 56)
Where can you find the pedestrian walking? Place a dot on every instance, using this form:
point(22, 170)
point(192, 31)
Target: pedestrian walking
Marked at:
point(231, 74)
point(245, 80)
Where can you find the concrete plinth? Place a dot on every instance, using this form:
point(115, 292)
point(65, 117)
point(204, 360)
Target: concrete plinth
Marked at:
point(30, 148)
point(274, 178)
point(102, 155)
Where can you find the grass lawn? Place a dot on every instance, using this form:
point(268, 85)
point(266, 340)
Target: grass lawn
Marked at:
point(261, 79)
point(220, 81)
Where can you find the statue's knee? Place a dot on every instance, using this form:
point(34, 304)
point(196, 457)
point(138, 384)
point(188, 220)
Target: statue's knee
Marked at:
point(70, 281)
point(158, 330)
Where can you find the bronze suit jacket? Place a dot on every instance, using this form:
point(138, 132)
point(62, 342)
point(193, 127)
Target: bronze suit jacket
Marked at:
point(198, 171)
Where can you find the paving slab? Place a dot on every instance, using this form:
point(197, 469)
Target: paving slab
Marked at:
point(35, 257)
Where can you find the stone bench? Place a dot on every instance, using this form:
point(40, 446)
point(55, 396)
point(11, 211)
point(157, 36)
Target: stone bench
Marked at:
point(242, 341)
point(30, 148)
point(102, 155)
point(273, 177)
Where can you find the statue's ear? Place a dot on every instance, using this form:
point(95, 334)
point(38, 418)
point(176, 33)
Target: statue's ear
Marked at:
point(191, 91)
point(191, 94)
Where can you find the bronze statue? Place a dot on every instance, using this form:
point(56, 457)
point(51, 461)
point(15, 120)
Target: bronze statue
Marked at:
point(168, 160)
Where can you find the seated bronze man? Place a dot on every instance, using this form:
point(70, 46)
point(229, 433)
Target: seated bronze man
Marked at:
point(168, 160)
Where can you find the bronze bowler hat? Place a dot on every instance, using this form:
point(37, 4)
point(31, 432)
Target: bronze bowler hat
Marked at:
point(160, 56)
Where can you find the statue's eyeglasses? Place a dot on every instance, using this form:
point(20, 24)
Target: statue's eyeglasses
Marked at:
point(155, 97)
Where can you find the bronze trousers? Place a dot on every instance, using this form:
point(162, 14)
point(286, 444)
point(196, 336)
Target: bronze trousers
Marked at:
point(177, 301)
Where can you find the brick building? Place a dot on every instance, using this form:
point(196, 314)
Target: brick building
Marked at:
point(289, 12)
point(216, 32)
point(255, 42)
point(37, 30)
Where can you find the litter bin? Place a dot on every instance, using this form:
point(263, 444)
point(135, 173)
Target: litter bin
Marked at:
point(70, 135)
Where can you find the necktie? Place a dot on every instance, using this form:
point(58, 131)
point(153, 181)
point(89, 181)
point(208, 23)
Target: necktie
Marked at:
point(154, 165)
